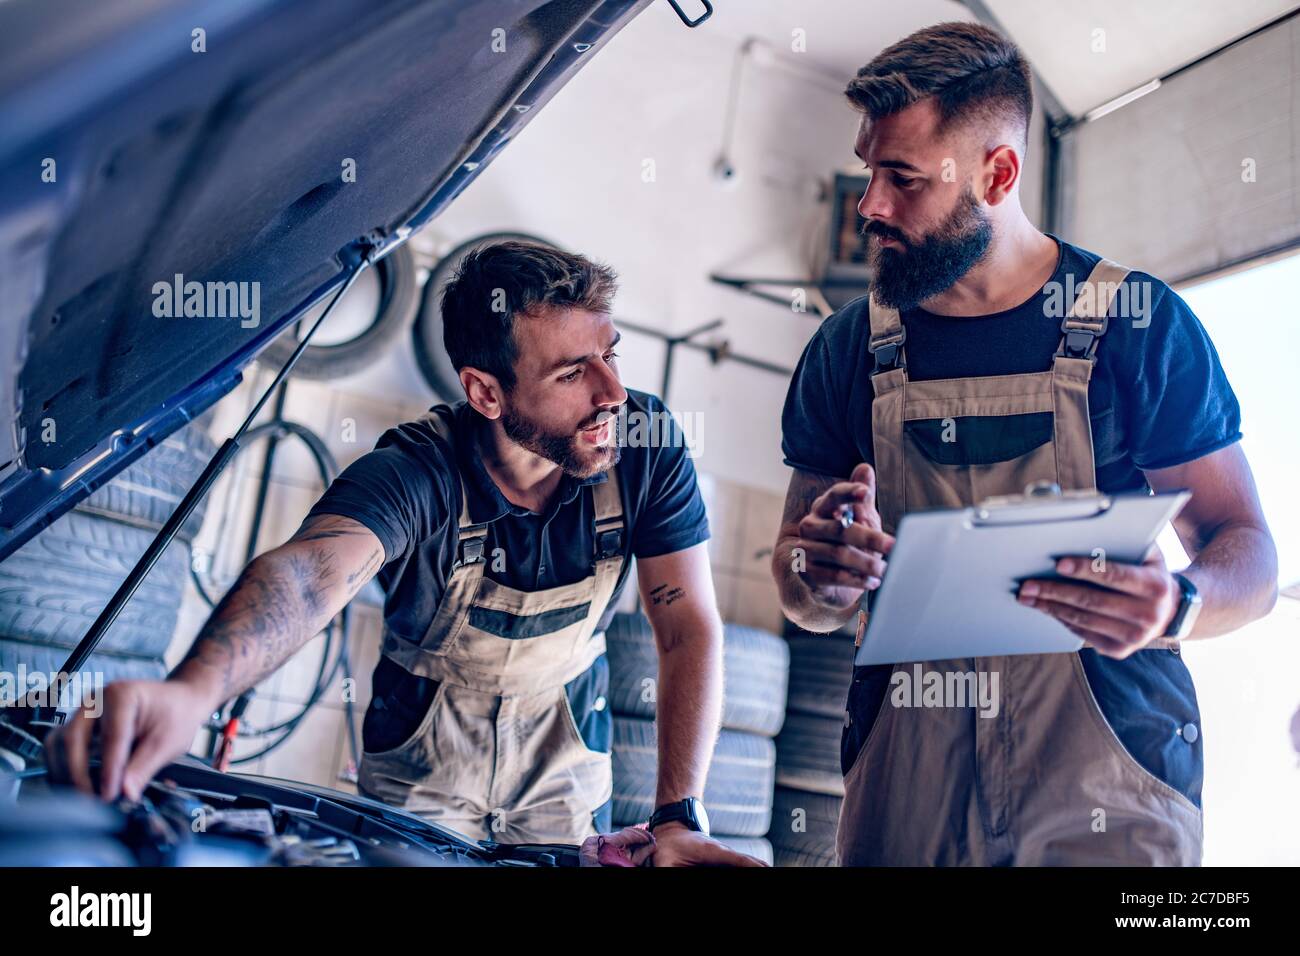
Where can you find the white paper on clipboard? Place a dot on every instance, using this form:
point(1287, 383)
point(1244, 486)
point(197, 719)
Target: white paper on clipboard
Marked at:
point(949, 589)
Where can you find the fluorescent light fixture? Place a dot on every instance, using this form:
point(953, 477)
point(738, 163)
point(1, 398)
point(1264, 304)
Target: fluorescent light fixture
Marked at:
point(1124, 99)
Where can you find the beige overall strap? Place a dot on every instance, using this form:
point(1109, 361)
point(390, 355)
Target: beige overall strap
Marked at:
point(469, 561)
point(1072, 366)
point(887, 335)
point(1087, 319)
point(609, 549)
point(889, 382)
point(463, 582)
point(469, 531)
point(608, 504)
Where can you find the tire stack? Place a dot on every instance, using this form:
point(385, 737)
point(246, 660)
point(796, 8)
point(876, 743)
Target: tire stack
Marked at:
point(53, 588)
point(809, 786)
point(738, 791)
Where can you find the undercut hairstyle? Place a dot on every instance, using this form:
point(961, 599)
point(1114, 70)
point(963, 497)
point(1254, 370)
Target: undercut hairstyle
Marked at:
point(497, 283)
point(976, 75)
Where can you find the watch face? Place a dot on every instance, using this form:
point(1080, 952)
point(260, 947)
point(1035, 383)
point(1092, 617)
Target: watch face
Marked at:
point(701, 817)
point(1189, 619)
point(1190, 607)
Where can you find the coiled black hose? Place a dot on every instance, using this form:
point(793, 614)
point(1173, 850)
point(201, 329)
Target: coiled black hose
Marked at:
point(278, 429)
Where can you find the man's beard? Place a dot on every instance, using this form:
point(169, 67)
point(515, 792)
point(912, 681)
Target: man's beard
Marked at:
point(905, 278)
point(562, 447)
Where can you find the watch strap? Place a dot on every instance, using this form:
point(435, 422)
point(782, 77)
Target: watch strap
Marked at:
point(679, 811)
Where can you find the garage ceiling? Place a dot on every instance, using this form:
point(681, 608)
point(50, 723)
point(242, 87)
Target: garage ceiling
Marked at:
point(841, 35)
point(1142, 41)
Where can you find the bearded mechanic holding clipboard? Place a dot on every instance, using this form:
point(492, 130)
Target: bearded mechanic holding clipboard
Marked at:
point(960, 331)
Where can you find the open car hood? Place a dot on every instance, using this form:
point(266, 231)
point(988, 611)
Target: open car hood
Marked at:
point(130, 157)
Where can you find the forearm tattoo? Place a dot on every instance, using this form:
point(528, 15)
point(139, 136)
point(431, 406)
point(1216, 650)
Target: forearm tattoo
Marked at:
point(277, 605)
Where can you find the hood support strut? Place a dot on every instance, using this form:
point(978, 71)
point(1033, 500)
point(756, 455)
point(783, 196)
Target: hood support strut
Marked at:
point(200, 488)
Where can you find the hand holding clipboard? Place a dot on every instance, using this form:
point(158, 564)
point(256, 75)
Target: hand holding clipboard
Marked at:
point(951, 590)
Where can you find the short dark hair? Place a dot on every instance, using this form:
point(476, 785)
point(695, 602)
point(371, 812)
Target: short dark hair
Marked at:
point(497, 282)
point(973, 72)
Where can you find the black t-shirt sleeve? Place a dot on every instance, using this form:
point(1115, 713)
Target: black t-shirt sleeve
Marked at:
point(1179, 405)
point(674, 517)
point(385, 491)
point(814, 428)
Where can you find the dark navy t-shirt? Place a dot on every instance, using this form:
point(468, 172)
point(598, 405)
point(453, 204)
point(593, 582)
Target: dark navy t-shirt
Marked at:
point(406, 492)
point(1158, 395)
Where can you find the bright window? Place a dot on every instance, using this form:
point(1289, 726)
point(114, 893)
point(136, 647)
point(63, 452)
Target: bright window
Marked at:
point(1246, 681)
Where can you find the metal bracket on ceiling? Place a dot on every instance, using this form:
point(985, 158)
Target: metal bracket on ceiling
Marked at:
point(677, 8)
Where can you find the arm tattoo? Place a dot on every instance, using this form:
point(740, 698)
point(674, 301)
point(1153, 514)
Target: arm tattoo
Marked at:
point(276, 605)
point(373, 562)
point(322, 527)
point(666, 596)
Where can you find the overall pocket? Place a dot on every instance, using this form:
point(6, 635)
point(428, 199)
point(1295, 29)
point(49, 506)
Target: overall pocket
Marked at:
point(1149, 703)
point(399, 710)
point(979, 439)
point(587, 696)
point(591, 722)
point(958, 461)
point(862, 710)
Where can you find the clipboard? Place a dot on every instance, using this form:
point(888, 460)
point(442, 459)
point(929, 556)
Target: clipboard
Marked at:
point(949, 590)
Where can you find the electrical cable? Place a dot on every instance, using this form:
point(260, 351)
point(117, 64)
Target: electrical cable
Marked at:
point(233, 727)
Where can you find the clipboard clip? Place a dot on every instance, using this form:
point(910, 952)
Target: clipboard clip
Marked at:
point(1041, 501)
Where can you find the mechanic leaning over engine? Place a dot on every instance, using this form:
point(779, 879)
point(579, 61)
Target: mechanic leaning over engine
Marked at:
point(501, 527)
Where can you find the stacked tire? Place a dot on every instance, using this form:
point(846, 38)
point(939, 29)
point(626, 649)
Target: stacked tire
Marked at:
point(739, 789)
point(53, 588)
point(809, 785)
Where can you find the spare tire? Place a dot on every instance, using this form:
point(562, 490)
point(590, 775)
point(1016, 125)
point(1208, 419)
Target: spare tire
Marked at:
point(737, 793)
point(398, 296)
point(54, 586)
point(426, 333)
point(803, 827)
point(755, 667)
point(808, 754)
point(821, 670)
point(148, 491)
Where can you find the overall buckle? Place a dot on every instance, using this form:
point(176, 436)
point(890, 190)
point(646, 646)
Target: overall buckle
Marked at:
point(471, 551)
point(888, 350)
point(1080, 343)
point(609, 543)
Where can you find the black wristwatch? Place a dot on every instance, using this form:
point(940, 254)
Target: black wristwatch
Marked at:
point(689, 811)
point(1189, 607)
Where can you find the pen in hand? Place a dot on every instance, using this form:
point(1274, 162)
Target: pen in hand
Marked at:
point(846, 522)
point(846, 516)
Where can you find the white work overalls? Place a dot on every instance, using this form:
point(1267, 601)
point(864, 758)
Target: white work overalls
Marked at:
point(499, 755)
point(1046, 781)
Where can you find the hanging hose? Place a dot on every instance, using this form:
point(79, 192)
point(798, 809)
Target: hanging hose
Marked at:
point(233, 726)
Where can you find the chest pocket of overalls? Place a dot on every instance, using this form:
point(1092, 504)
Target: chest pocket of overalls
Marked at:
point(979, 439)
point(955, 460)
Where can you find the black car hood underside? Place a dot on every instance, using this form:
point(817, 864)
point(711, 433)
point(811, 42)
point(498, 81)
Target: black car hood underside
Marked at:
point(222, 166)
